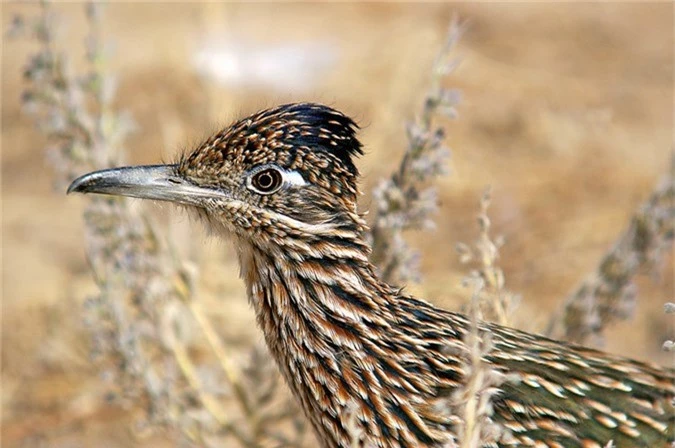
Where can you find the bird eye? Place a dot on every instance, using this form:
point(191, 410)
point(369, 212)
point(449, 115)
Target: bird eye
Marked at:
point(267, 181)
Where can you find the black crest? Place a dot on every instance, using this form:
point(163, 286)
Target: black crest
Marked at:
point(318, 127)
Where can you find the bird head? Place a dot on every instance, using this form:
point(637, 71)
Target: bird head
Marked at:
point(281, 172)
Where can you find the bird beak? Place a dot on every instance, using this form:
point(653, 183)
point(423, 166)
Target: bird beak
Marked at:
point(159, 182)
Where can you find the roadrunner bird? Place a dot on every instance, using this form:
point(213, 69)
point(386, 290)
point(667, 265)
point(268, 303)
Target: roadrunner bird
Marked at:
point(281, 184)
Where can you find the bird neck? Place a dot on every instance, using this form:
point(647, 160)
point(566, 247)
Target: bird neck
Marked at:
point(318, 302)
point(328, 322)
point(318, 288)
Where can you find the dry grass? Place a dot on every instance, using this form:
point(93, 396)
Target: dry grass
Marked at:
point(610, 294)
point(570, 154)
point(407, 199)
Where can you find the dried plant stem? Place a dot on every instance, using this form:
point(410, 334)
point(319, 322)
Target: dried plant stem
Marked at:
point(473, 401)
point(489, 301)
point(223, 358)
point(609, 294)
point(190, 373)
point(405, 201)
point(495, 302)
point(211, 405)
point(491, 273)
point(471, 434)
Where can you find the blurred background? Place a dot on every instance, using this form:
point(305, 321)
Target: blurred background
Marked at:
point(566, 112)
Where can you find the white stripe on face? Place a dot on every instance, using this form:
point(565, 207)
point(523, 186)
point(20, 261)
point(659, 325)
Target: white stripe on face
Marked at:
point(293, 178)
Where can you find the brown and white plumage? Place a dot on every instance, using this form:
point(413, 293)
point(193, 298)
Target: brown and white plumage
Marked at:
point(282, 185)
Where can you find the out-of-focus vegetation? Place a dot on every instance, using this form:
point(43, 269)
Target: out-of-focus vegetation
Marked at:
point(566, 112)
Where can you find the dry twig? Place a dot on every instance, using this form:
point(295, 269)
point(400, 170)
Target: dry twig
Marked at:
point(405, 201)
point(495, 302)
point(609, 294)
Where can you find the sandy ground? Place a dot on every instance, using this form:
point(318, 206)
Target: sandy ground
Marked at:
point(567, 114)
